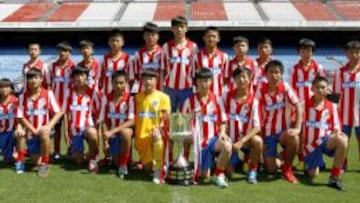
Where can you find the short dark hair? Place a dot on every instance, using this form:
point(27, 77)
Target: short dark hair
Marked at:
point(6, 82)
point(118, 73)
point(33, 72)
point(85, 43)
point(240, 39)
point(211, 28)
point(203, 73)
point(33, 43)
point(64, 45)
point(178, 20)
point(273, 63)
point(149, 72)
point(241, 69)
point(318, 79)
point(77, 70)
point(264, 40)
point(355, 44)
point(306, 43)
point(116, 33)
point(150, 27)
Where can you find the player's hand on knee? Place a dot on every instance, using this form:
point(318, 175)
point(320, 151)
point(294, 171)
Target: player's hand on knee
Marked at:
point(107, 135)
point(293, 131)
point(237, 146)
point(19, 132)
point(44, 130)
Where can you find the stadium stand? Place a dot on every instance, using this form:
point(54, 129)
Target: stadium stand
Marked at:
point(68, 12)
point(348, 9)
point(140, 11)
point(7, 9)
point(29, 12)
point(314, 11)
point(244, 11)
point(104, 12)
point(200, 11)
point(167, 10)
point(281, 11)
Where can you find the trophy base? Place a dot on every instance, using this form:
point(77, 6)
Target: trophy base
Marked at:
point(182, 176)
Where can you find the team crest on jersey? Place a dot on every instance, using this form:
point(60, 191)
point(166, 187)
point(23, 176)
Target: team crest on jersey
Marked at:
point(154, 103)
point(280, 97)
point(245, 109)
point(1, 110)
point(311, 75)
point(92, 72)
point(326, 114)
point(186, 52)
point(268, 99)
point(123, 107)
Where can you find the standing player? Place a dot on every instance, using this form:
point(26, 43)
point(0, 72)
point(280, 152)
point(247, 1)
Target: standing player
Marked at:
point(115, 60)
point(149, 56)
point(81, 105)
point(241, 47)
point(8, 107)
point(60, 72)
point(277, 98)
point(34, 51)
point(322, 133)
point(176, 65)
point(302, 76)
point(346, 82)
point(151, 115)
point(35, 107)
point(213, 58)
point(264, 50)
point(89, 62)
point(244, 119)
point(117, 115)
point(211, 134)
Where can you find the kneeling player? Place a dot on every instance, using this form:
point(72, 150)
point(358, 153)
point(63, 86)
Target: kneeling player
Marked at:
point(8, 106)
point(277, 98)
point(243, 111)
point(322, 133)
point(81, 106)
point(117, 113)
point(35, 106)
point(151, 115)
point(211, 137)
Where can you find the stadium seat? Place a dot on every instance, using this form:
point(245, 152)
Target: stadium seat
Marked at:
point(166, 10)
point(7, 9)
point(139, 12)
point(244, 11)
point(349, 9)
point(100, 12)
point(68, 12)
point(281, 11)
point(200, 11)
point(314, 11)
point(29, 12)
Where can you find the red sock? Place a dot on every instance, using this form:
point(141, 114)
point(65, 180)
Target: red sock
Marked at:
point(335, 172)
point(21, 155)
point(301, 157)
point(286, 167)
point(246, 158)
point(45, 159)
point(123, 159)
point(219, 171)
point(253, 167)
point(186, 154)
point(170, 156)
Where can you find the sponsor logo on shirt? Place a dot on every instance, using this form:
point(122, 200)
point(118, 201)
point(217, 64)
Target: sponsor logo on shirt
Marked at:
point(239, 117)
point(114, 115)
point(147, 114)
point(317, 124)
point(75, 107)
point(36, 112)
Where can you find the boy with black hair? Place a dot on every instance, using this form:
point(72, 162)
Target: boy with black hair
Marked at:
point(89, 62)
point(277, 98)
point(322, 133)
point(210, 137)
point(35, 107)
point(264, 50)
point(117, 115)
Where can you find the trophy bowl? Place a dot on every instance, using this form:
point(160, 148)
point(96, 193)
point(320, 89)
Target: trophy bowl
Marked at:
point(180, 172)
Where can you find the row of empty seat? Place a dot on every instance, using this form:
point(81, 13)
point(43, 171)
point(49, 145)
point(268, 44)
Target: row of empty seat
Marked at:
point(145, 10)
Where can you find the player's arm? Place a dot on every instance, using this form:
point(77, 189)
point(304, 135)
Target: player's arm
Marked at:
point(25, 122)
point(127, 124)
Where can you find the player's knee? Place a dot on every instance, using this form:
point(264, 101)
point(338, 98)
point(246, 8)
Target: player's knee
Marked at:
point(257, 142)
point(312, 173)
point(342, 141)
point(91, 133)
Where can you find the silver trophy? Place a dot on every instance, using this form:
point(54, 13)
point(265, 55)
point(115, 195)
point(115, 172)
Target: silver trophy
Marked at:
point(180, 172)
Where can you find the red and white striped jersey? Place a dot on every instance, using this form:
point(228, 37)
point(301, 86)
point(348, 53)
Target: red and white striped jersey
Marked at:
point(60, 77)
point(42, 67)
point(348, 84)
point(217, 63)
point(319, 123)
point(94, 73)
point(301, 79)
point(37, 111)
point(143, 59)
point(81, 110)
point(108, 66)
point(211, 115)
point(7, 114)
point(114, 114)
point(243, 116)
point(233, 64)
point(260, 74)
point(176, 64)
point(276, 107)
